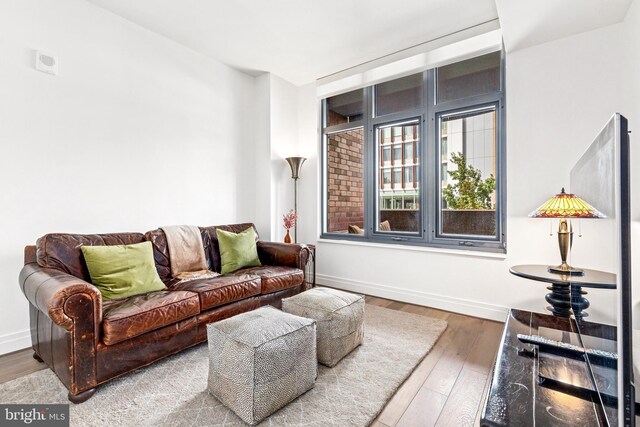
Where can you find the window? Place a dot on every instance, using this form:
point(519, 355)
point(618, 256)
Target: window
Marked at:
point(419, 160)
point(386, 155)
point(398, 95)
point(467, 195)
point(344, 162)
point(345, 108)
point(397, 192)
point(397, 153)
point(408, 177)
point(474, 76)
point(408, 153)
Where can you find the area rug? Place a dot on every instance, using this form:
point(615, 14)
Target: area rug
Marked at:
point(173, 392)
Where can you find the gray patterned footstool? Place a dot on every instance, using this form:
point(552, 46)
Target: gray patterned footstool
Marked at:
point(261, 360)
point(340, 317)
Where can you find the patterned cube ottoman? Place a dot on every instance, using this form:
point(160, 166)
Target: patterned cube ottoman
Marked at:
point(340, 317)
point(261, 360)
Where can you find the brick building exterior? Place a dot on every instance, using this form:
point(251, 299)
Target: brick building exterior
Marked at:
point(345, 180)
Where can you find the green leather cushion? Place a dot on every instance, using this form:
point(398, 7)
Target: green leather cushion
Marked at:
point(237, 250)
point(121, 271)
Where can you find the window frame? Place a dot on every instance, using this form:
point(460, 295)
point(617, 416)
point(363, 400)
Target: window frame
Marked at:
point(409, 116)
point(428, 157)
point(468, 240)
point(325, 132)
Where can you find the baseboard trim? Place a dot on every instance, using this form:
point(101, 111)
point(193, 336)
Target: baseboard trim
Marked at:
point(442, 302)
point(15, 341)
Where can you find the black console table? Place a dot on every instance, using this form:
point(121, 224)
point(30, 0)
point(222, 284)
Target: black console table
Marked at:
point(516, 395)
point(566, 291)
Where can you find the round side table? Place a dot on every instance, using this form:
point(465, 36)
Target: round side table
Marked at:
point(566, 296)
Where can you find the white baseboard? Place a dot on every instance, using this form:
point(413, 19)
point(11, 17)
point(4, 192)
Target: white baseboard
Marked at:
point(15, 341)
point(442, 302)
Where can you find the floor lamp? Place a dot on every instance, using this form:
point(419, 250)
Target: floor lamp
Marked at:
point(295, 163)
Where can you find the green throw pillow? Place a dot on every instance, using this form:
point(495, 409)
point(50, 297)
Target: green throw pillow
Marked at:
point(121, 271)
point(237, 250)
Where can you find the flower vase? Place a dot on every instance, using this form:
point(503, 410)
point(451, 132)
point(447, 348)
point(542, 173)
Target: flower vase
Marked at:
point(287, 237)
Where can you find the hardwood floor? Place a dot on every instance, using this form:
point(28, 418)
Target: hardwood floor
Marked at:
point(446, 389)
point(17, 364)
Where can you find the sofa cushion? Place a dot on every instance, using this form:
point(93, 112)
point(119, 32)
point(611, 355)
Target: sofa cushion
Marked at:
point(221, 290)
point(120, 271)
point(237, 250)
point(275, 278)
point(62, 251)
point(354, 229)
point(210, 241)
point(129, 317)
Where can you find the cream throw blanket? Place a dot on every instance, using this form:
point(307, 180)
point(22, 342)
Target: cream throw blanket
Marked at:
point(186, 252)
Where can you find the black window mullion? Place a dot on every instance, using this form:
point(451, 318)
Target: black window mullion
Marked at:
point(344, 127)
point(469, 102)
point(501, 180)
point(429, 173)
point(370, 166)
point(397, 116)
point(502, 117)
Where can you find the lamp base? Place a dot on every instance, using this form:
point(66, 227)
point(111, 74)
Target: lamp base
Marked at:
point(565, 269)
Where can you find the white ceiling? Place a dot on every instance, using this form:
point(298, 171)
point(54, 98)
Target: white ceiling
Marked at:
point(302, 41)
point(530, 22)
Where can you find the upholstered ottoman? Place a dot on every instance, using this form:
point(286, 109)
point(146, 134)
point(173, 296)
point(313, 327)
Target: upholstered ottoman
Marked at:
point(261, 360)
point(340, 317)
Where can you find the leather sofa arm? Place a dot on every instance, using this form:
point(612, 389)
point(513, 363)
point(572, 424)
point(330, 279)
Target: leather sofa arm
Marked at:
point(64, 298)
point(286, 254)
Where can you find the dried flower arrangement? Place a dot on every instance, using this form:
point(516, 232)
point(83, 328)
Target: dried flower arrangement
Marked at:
point(289, 220)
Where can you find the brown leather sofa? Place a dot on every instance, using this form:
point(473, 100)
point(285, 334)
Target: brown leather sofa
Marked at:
point(88, 342)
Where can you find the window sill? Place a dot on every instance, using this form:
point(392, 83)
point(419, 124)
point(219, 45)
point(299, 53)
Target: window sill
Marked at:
point(457, 252)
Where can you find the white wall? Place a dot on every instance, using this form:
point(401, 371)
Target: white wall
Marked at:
point(559, 95)
point(284, 143)
point(135, 132)
point(286, 127)
point(262, 155)
point(276, 137)
point(308, 140)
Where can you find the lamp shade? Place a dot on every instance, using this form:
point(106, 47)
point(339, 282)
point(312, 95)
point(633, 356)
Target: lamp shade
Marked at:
point(564, 205)
point(295, 163)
